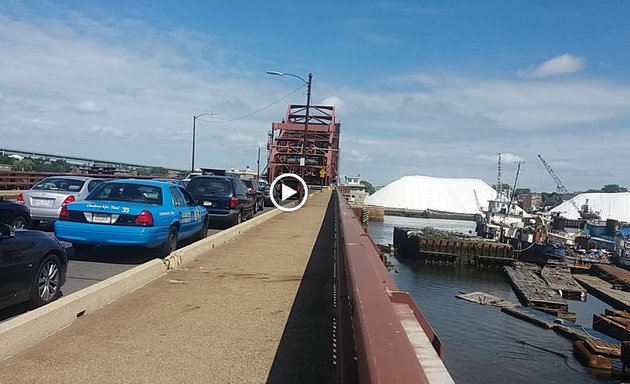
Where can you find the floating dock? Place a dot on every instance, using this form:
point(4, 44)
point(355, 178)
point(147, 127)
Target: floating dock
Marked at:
point(619, 277)
point(486, 299)
point(421, 244)
point(560, 279)
point(532, 290)
point(605, 291)
point(613, 323)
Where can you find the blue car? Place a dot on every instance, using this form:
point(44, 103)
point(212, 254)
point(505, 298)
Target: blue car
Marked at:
point(152, 214)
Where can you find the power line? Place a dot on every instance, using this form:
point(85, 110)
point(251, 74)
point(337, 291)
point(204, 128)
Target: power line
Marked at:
point(213, 136)
point(257, 111)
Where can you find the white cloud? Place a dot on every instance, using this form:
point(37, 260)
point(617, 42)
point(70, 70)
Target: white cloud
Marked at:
point(107, 131)
point(560, 65)
point(506, 158)
point(337, 102)
point(87, 107)
point(355, 155)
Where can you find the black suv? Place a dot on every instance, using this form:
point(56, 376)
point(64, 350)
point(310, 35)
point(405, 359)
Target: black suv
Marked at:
point(226, 198)
point(255, 188)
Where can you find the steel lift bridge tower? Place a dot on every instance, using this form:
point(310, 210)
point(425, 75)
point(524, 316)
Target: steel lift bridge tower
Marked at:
point(306, 143)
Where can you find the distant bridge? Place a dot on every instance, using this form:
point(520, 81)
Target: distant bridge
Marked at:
point(72, 159)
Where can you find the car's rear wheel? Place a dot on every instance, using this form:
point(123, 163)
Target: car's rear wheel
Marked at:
point(19, 222)
point(170, 244)
point(46, 285)
point(239, 219)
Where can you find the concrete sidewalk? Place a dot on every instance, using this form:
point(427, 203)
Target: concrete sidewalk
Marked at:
point(256, 310)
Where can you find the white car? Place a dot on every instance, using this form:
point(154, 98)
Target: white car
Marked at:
point(46, 198)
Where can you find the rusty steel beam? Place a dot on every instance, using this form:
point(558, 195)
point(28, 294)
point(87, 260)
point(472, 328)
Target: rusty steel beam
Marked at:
point(384, 351)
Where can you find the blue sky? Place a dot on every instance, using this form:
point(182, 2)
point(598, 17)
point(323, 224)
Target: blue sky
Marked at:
point(432, 88)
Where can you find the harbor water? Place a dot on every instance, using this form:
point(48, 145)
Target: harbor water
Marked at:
point(482, 344)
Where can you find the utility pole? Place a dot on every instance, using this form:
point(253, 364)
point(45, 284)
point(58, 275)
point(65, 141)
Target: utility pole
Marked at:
point(192, 165)
point(306, 117)
point(308, 108)
point(258, 165)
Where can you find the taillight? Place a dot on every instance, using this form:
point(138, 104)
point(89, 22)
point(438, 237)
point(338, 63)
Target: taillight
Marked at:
point(144, 218)
point(233, 203)
point(252, 191)
point(68, 200)
point(64, 212)
point(20, 199)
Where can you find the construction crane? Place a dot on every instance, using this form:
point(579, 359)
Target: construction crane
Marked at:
point(562, 189)
point(499, 182)
point(518, 170)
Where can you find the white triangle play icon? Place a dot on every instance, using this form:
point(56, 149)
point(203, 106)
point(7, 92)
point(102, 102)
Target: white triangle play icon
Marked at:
point(287, 192)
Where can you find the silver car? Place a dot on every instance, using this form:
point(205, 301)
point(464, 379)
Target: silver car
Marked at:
point(46, 197)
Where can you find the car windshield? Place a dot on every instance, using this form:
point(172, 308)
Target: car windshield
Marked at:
point(204, 185)
point(249, 183)
point(59, 184)
point(137, 193)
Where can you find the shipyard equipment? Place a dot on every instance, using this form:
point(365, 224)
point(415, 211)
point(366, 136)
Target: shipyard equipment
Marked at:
point(306, 143)
point(584, 212)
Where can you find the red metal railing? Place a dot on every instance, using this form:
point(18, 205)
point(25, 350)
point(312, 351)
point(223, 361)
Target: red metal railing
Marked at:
point(384, 352)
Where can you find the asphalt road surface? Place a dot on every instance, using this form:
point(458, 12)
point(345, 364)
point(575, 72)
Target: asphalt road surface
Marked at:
point(87, 268)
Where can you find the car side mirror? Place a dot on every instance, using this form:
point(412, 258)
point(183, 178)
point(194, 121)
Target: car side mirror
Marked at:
point(6, 232)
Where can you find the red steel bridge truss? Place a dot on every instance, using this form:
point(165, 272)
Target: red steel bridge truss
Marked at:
point(321, 135)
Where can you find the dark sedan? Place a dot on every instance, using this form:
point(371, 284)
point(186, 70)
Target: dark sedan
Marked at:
point(16, 215)
point(226, 198)
point(33, 267)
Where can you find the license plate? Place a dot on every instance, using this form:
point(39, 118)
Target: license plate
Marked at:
point(42, 202)
point(207, 203)
point(100, 218)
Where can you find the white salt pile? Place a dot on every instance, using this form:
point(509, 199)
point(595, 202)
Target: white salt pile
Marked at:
point(434, 193)
point(608, 205)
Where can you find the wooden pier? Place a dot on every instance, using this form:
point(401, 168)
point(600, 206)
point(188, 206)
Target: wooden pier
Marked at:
point(532, 290)
point(560, 279)
point(605, 291)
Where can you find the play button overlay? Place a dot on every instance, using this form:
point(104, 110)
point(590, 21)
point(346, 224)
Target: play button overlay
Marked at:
point(287, 192)
point(286, 186)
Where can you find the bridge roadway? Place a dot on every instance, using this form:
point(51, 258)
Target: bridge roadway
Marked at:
point(87, 268)
point(256, 310)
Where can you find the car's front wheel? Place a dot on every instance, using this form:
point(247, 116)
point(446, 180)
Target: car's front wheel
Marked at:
point(46, 285)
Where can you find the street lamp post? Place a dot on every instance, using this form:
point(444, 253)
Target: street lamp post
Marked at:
point(308, 108)
point(192, 166)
